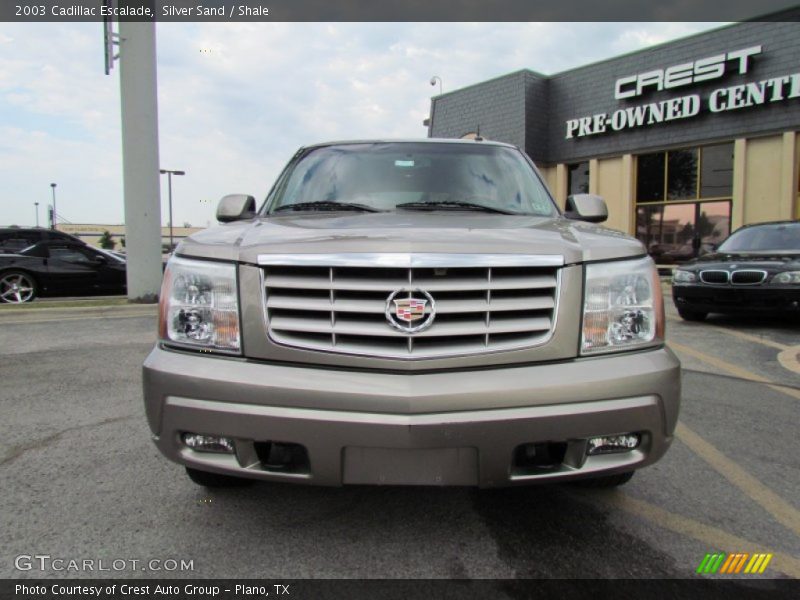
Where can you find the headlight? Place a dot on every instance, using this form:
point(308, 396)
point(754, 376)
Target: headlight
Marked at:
point(623, 308)
point(682, 276)
point(787, 277)
point(199, 305)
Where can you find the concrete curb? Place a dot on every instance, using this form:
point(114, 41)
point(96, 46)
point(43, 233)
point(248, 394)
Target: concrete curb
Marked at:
point(22, 315)
point(70, 303)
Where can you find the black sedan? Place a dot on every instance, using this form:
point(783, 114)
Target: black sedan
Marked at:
point(757, 269)
point(53, 268)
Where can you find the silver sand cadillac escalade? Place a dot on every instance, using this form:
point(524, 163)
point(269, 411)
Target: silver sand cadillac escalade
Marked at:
point(411, 313)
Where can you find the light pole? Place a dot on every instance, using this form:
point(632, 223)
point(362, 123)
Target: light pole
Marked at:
point(36, 204)
point(434, 79)
point(169, 183)
point(53, 224)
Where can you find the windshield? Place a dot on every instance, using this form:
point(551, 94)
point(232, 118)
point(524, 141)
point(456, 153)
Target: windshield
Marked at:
point(382, 176)
point(777, 236)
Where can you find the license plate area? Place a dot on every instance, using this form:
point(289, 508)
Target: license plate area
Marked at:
point(410, 466)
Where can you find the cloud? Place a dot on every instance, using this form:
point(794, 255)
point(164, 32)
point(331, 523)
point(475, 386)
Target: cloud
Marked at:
point(237, 99)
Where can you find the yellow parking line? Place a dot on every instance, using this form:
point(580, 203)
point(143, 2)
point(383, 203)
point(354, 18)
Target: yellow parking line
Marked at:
point(752, 338)
point(790, 359)
point(740, 334)
point(782, 511)
point(711, 537)
point(733, 369)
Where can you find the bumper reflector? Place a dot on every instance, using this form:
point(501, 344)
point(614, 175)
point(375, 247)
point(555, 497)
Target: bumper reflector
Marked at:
point(611, 444)
point(208, 443)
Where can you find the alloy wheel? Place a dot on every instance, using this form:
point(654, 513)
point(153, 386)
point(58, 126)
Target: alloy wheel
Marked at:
point(16, 288)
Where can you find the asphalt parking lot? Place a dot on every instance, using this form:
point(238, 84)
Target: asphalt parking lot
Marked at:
point(81, 478)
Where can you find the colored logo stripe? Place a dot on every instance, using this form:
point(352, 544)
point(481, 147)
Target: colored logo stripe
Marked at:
point(758, 563)
point(711, 563)
point(734, 563)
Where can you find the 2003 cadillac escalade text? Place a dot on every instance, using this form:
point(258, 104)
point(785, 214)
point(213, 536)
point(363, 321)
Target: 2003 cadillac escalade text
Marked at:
point(411, 312)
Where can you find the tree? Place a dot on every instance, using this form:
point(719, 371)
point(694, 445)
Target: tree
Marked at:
point(107, 241)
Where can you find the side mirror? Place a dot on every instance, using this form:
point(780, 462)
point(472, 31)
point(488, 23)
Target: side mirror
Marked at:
point(586, 207)
point(236, 207)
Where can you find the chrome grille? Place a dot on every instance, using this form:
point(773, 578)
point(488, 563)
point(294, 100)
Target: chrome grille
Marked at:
point(714, 276)
point(341, 306)
point(748, 277)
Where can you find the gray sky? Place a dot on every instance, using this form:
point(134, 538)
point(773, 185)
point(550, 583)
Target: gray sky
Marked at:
point(237, 99)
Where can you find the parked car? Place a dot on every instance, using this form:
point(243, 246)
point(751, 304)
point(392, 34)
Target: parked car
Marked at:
point(756, 269)
point(51, 268)
point(14, 239)
point(411, 313)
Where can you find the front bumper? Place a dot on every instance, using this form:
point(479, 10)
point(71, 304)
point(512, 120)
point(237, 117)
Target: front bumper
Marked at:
point(733, 299)
point(444, 428)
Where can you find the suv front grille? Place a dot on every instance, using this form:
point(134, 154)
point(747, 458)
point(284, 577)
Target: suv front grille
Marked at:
point(343, 308)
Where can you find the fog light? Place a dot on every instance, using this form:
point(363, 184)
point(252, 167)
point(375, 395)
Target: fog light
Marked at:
point(208, 443)
point(611, 444)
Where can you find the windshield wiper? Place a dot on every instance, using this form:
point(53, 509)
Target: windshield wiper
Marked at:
point(326, 205)
point(454, 205)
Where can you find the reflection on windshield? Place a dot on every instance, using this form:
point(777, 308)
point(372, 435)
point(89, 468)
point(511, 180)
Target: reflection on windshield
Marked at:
point(784, 236)
point(384, 175)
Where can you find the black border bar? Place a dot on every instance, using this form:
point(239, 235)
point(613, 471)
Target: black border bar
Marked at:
point(399, 10)
point(397, 589)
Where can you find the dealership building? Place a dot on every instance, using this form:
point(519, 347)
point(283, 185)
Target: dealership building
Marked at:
point(92, 233)
point(686, 141)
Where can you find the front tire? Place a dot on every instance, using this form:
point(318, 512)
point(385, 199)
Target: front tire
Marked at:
point(692, 315)
point(606, 481)
point(17, 287)
point(215, 480)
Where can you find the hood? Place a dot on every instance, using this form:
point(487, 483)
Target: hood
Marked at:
point(440, 232)
point(745, 260)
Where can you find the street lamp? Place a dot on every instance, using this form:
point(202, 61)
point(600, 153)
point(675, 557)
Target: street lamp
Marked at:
point(434, 79)
point(53, 222)
point(36, 204)
point(169, 181)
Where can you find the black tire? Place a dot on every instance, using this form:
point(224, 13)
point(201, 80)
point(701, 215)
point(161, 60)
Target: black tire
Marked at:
point(692, 315)
point(215, 480)
point(606, 481)
point(26, 289)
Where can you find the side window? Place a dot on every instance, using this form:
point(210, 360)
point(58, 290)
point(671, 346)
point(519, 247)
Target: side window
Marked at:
point(39, 250)
point(15, 241)
point(71, 254)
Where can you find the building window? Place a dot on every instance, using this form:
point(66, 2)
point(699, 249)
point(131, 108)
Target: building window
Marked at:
point(578, 178)
point(716, 171)
point(650, 170)
point(683, 200)
point(682, 174)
